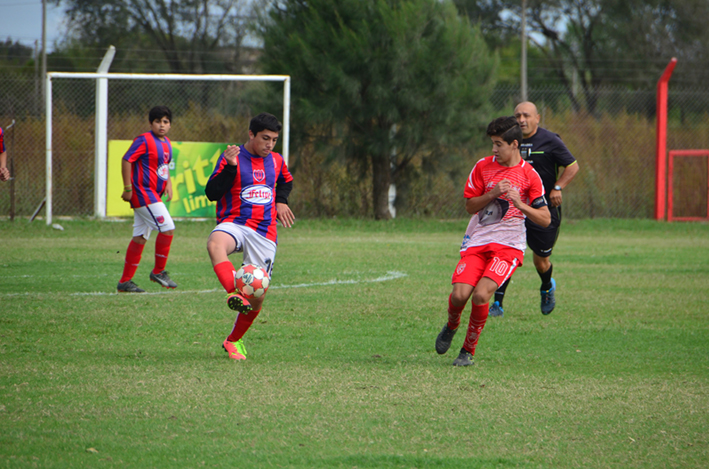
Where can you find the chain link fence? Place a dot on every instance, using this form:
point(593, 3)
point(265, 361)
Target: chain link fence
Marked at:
point(611, 133)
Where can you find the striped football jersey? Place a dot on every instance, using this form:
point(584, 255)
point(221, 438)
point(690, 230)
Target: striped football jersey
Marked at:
point(251, 201)
point(150, 159)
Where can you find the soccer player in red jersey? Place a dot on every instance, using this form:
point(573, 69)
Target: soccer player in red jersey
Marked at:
point(251, 184)
point(146, 177)
point(502, 190)
point(4, 172)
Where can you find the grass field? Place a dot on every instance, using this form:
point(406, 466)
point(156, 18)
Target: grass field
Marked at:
point(341, 370)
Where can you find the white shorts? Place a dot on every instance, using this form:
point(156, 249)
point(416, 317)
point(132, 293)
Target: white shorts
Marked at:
point(151, 217)
point(257, 249)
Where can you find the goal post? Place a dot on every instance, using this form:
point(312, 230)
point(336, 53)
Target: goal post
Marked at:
point(102, 118)
point(661, 142)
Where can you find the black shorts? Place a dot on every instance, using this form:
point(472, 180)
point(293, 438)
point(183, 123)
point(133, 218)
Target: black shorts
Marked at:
point(542, 240)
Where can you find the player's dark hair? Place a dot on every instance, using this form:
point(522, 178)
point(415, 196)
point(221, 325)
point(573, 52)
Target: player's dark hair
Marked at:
point(158, 112)
point(507, 128)
point(264, 121)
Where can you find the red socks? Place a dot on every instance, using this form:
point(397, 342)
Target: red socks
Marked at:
point(454, 314)
point(225, 273)
point(242, 324)
point(478, 317)
point(162, 249)
point(133, 255)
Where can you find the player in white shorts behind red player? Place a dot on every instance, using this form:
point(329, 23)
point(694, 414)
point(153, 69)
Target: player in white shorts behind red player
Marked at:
point(501, 191)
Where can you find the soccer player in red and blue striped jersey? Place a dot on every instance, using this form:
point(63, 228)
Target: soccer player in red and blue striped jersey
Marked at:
point(146, 177)
point(251, 184)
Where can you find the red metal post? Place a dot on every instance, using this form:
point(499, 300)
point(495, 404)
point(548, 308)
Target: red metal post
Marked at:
point(661, 142)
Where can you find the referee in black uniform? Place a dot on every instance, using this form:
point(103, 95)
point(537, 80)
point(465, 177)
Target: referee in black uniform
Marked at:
point(546, 152)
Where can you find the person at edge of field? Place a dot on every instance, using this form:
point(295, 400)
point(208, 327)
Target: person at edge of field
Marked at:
point(251, 184)
point(4, 172)
point(501, 191)
point(545, 151)
point(146, 178)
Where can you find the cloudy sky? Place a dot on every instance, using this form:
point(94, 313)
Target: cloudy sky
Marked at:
point(22, 21)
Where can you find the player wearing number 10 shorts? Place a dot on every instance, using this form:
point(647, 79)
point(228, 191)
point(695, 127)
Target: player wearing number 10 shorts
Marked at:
point(501, 191)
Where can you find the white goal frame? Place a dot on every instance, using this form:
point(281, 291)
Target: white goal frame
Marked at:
point(100, 169)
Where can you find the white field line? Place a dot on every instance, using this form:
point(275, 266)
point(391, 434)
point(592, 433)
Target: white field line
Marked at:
point(389, 276)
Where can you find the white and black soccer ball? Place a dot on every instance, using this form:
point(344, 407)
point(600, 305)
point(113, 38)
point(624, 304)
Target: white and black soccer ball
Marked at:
point(252, 281)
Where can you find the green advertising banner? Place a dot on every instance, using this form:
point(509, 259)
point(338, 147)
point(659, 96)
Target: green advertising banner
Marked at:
point(192, 164)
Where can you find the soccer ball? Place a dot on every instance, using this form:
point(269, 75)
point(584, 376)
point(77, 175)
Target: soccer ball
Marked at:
point(252, 281)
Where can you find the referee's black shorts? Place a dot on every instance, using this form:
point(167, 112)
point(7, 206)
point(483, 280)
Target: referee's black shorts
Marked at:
point(542, 240)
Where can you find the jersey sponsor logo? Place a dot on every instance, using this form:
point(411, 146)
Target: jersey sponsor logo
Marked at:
point(164, 172)
point(257, 195)
point(259, 175)
point(461, 267)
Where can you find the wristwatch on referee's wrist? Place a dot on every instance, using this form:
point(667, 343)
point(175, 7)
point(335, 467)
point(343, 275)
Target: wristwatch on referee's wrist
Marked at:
point(557, 188)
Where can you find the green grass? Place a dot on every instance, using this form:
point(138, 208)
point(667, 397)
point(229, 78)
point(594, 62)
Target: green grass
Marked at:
point(344, 374)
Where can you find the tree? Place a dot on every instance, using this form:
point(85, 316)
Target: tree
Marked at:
point(381, 81)
point(629, 42)
point(185, 31)
point(15, 57)
point(486, 15)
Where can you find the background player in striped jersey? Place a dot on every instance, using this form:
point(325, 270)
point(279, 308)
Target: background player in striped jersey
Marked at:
point(545, 151)
point(146, 177)
point(502, 190)
point(251, 184)
point(4, 172)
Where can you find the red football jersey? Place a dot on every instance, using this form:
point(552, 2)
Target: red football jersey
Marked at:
point(500, 221)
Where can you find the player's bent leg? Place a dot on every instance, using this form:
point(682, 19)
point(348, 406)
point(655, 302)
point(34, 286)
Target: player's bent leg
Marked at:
point(478, 317)
point(547, 289)
point(496, 310)
point(461, 294)
point(456, 302)
point(129, 287)
point(549, 298)
point(483, 291)
point(444, 339)
point(465, 358)
point(163, 278)
point(219, 246)
point(159, 275)
point(238, 302)
point(236, 350)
